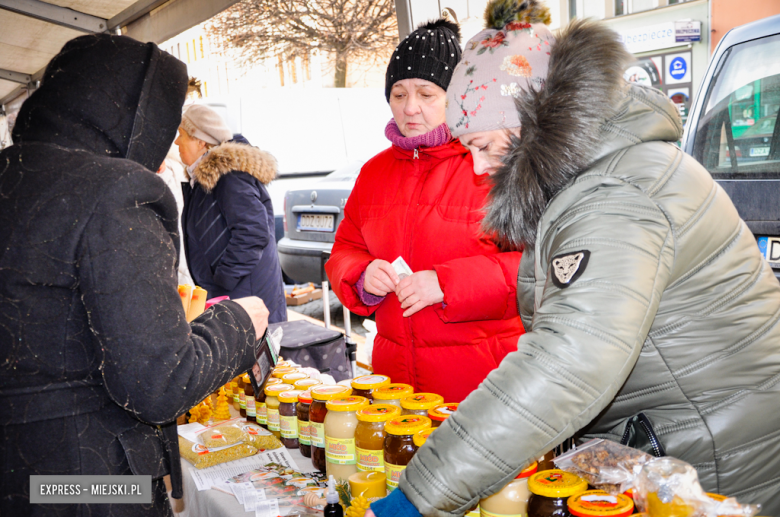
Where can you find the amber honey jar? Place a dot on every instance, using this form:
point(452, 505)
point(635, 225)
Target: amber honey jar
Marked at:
point(370, 435)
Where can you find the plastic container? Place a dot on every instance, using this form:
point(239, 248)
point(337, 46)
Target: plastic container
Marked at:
point(392, 394)
point(399, 445)
point(304, 433)
point(441, 412)
point(370, 435)
point(598, 503)
point(340, 424)
point(550, 491)
point(420, 403)
point(261, 412)
point(512, 500)
point(365, 385)
point(288, 418)
point(317, 412)
point(272, 406)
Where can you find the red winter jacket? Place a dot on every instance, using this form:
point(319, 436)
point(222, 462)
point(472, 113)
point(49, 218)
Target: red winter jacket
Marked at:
point(428, 210)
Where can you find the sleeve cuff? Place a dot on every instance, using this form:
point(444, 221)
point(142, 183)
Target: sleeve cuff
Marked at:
point(366, 297)
point(394, 505)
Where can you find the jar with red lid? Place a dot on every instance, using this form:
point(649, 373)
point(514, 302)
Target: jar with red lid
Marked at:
point(441, 412)
point(304, 433)
point(317, 411)
point(598, 503)
point(512, 500)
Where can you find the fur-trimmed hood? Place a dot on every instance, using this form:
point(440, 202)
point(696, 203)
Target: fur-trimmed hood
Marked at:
point(584, 112)
point(229, 157)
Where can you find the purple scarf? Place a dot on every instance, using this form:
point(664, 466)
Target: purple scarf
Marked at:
point(439, 136)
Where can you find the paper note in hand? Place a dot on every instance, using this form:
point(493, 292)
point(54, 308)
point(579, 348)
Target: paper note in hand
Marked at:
point(401, 268)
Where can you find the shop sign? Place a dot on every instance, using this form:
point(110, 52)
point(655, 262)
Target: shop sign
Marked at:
point(652, 37)
point(686, 32)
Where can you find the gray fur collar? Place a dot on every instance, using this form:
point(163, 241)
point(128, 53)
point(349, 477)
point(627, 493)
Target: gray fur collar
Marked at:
point(561, 129)
point(229, 157)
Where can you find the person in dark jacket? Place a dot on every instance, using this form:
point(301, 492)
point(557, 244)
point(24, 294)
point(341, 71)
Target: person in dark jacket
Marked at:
point(228, 218)
point(96, 356)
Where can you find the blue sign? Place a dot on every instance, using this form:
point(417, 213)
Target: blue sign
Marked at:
point(677, 68)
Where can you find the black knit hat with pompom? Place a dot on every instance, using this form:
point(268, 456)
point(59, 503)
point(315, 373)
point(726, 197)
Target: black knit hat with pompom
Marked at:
point(431, 53)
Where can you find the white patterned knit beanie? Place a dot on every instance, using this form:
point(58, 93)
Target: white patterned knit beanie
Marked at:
point(205, 124)
point(509, 56)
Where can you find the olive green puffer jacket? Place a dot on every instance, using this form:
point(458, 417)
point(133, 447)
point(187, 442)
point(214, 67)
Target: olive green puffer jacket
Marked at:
point(642, 292)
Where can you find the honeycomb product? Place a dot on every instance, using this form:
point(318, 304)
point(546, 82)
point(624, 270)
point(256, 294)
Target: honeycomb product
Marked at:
point(365, 385)
point(304, 432)
point(512, 500)
point(288, 418)
point(320, 395)
point(420, 403)
point(550, 490)
point(399, 445)
point(272, 406)
point(370, 435)
point(441, 412)
point(340, 424)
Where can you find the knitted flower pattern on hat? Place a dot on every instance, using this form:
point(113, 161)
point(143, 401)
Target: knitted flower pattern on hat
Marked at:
point(498, 64)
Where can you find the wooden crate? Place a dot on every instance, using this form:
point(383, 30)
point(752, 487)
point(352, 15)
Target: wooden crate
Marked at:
point(303, 298)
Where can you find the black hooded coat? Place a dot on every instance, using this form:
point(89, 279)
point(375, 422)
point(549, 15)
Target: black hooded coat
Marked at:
point(96, 356)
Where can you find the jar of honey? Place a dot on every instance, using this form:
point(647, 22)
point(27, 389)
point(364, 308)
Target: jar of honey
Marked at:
point(304, 433)
point(261, 412)
point(370, 435)
point(234, 386)
point(340, 424)
point(365, 385)
point(280, 372)
point(242, 380)
point(249, 397)
point(399, 447)
point(306, 384)
point(550, 491)
point(441, 412)
point(598, 503)
point(420, 403)
point(422, 436)
point(512, 500)
point(317, 412)
point(392, 394)
point(290, 378)
point(288, 418)
point(272, 406)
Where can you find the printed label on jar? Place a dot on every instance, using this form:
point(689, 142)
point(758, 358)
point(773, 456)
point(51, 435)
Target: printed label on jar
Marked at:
point(340, 450)
point(261, 415)
point(486, 513)
point(304, 434)
point(250, 408)
point(317, 434)
point(242, 400)
point(370, 460)
point(393, 473)
point(288, 427)
point(273, 419)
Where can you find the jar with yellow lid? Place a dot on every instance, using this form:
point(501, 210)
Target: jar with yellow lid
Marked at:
point(392, 394)
point(281, 372)
point(399, 445)
point(288, 418)
point(340, 424)
point(306, 384)
point(441, 412)
point(422, 436)
point(290, 378)
point(550, 491)
point(370, 435)
point(420, 403)
point(512, 500)
point(317, 412)
point(272, 406)
point(365, 385)
point(261, 412)
point(598, 503)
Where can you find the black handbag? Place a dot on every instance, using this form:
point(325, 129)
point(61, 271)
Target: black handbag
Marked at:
point(314, 346)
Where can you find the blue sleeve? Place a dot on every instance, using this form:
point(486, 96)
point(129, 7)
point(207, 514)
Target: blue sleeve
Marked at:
point(239, 200)
point(394, 505)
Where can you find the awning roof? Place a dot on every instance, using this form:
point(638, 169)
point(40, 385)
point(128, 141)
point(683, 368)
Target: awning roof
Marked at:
point(32, 32)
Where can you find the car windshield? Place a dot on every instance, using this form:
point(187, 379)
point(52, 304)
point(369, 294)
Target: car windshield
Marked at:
point(346, 173)
point(738, 135)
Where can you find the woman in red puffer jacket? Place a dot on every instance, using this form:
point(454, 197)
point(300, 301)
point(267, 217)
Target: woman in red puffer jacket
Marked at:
point(446, 326)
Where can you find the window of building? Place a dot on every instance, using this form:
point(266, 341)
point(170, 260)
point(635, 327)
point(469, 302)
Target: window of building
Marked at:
point(621, 7)
point(572, 9)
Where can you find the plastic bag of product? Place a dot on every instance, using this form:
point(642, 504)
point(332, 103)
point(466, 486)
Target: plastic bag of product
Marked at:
point(606, 465)
point(260, 438)
point(202, 457)
point(221, 436)
point(668, 487)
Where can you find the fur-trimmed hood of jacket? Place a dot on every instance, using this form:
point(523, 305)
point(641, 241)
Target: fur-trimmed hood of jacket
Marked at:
point(229, 157)
point(585, 111)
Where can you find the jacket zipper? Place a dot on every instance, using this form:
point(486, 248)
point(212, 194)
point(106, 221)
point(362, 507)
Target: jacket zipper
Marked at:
point(409, 231)
point(416, 154)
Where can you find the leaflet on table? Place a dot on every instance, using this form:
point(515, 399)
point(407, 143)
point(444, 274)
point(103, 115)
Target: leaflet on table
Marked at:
point(218, 474)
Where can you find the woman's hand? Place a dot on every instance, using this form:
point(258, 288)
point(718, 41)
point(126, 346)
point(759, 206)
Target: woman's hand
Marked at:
point(369, 513)
point(419, 290)
point(381, 278)
point(257, 310)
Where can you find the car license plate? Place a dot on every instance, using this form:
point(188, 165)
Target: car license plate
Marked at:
point(759, 151)
point(316, 222)
point(770, 249)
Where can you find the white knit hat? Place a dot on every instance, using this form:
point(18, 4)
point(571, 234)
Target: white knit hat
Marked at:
point(205, 124)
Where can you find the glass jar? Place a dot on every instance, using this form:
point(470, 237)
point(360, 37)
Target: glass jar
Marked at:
point(280, 372)
point(550, 490)
point(399, 445)
point(422, 436)
point(249, 396)
point(242, 394)
point(261, 413)
point(234, 387)
point(272, 406)
point(512, 500)
point(306, 384)
point(304, 433)
point(420, 403)
point(441, 412)
point(363, 386)
point(340, 424)
point(392, 394)
point(288, 418)
point(290, 378)
point(598, 503)
point(370, 435)
point(317, 412)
